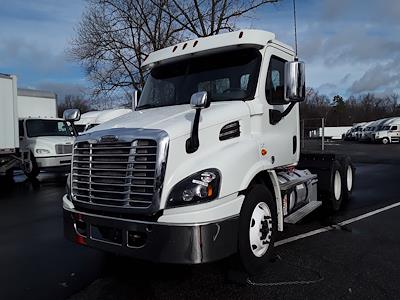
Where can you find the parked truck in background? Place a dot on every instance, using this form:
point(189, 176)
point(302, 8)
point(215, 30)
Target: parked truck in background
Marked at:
point(11, 155)
point(389, 132)
point(93, 118)
point(47, 138)
point(32, 138)
point(209, 163)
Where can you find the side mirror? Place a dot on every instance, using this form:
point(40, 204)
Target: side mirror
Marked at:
point(72, 115)
point(295, 87)
point(199, 100)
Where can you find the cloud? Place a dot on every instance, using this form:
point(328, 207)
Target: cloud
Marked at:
point(343, 42)
point(381, 77)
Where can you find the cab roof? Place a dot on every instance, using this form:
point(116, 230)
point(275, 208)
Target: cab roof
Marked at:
point(246, 38)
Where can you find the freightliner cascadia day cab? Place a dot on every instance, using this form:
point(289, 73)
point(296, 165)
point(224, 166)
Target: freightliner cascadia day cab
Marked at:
point(205, 167)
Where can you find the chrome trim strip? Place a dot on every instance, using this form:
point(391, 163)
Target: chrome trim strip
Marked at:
point(72, 210)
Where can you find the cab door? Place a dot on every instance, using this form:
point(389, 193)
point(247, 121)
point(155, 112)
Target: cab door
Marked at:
point(281, 140)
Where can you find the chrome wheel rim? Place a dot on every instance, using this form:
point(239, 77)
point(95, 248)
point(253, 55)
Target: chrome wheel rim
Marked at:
point(260, 232)
point(349, 178)
point(337, 186)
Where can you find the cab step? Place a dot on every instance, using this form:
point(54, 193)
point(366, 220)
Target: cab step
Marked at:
point(302, 212)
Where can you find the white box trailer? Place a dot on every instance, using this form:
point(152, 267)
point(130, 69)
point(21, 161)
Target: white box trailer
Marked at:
point(11, 155)
point(334, 133)
point(36, 104)
point(9, 141)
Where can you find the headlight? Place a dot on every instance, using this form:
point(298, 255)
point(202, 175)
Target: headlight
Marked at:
point(42, 151)
point(198, 188)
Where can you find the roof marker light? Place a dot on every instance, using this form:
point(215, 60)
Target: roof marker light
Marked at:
point(176, 47)
point(195, 43)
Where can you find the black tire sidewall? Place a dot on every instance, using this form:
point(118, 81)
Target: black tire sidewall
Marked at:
point(334, 203)
point(35, 169)
point(251, 263)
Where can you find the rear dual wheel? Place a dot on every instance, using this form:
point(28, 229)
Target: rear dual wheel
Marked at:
point(348, 172)
point(333, 196)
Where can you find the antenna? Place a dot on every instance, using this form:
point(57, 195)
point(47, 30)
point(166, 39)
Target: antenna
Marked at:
point(295, 28)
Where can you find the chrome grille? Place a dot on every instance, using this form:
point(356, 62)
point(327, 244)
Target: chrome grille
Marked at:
point(120, 174)
point(63, 149)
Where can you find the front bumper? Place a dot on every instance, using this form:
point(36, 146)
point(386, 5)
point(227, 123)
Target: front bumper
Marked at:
point(54, 161)
point(153, 241)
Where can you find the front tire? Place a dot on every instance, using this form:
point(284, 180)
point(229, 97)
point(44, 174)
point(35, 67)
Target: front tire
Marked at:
point(385, 141)
point(257, 229)
point(33, 171)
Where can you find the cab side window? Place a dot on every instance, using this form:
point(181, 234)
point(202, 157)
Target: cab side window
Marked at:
point(21, 127)
point(274, 89)
point(393, 128)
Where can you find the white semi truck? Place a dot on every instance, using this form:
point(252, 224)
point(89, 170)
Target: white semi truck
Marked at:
point(389, 132)
point(209, 163)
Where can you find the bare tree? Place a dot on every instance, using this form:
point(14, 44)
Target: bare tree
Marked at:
point(209, 17)
point(73, 101)
point(114, 37)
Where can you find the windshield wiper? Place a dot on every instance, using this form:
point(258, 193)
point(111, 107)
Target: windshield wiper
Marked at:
point(145, 106)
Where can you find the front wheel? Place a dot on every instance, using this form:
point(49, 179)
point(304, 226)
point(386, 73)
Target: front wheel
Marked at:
point(385, 141)
point(31, 170)
point(257, 229)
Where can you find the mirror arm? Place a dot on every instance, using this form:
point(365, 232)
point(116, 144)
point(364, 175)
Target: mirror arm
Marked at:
point(192, 143)
point(275, 116)
point(74, 128)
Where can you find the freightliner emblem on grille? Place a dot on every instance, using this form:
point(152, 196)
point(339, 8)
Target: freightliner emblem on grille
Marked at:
point(109, 139)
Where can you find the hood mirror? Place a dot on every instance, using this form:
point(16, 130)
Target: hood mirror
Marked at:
point(72, 115)
point(199, 100)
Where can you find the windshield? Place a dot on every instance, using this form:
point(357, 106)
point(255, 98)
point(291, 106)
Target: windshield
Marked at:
point(80, 128)
point(90, 126)
point(225, 76)
point(37, 128)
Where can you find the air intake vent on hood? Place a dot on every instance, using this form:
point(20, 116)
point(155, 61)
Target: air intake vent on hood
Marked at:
point(230, 131)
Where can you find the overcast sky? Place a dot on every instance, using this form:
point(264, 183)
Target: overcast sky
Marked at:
point(350, 46)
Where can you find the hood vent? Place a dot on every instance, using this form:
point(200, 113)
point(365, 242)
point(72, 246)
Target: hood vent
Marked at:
point(229, 131)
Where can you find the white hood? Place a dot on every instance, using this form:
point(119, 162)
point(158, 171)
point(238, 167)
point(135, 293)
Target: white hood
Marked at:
point(177, 120)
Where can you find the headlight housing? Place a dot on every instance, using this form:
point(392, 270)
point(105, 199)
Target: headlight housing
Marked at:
point(200, 187)
point(42, 151)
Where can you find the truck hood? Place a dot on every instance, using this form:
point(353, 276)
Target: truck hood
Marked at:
point(177, 120)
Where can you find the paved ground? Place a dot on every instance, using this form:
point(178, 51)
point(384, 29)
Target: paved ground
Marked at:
point(358, 261)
